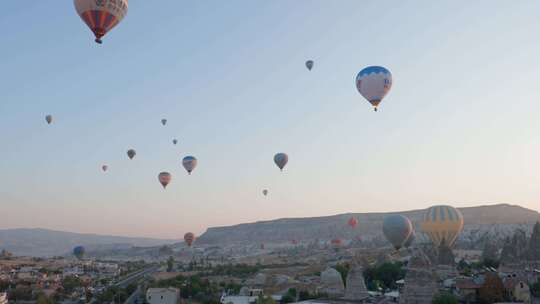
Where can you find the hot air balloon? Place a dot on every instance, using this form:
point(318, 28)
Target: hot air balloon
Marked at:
point(352, 222)
point(410, 240)
point(104, 168)
point(309, 64)
point(175, 141)
point(442, 224)
point(397, 229)
point(164, 179)
point(336, 242)
point(281, 160)
point(131, 153)
point(189, 238)
point(265, 192)
point(189, 162)
point(48, 119)
point(373, 83)
point(78, 252)
point(163, 121)
point(101, 15)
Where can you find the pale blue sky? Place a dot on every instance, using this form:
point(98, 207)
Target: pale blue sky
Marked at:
point(460, 125)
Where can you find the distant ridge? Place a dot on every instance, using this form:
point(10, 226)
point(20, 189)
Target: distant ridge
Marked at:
point(45, 242)
point(370, 225)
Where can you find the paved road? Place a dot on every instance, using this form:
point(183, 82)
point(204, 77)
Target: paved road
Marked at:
point(136, 276)
point(135, 297)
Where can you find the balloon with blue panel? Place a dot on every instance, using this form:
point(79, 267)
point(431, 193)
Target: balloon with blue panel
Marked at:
point(373, 83)
point(281, 159)
point(397, 229)
point(79, 252)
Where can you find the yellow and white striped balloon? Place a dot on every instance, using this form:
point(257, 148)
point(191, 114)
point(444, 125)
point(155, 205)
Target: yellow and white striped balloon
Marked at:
point(442, 224)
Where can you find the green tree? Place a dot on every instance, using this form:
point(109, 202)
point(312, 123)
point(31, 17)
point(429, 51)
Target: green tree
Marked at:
point(534, 243)
point(170, 264)
point(290, 296)
point(384, 276)
point(343, 269)
point(70, 283)
point(535, 289)
point(445, 298)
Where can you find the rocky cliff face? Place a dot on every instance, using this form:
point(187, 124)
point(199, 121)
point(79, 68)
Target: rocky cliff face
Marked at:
point(482, 218)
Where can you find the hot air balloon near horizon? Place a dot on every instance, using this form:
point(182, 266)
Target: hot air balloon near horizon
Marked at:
point(265, 192)
point(164, 179)
point(175, 141)
point(164, 121)
point(189, 237)
point(131, 153)
point(352, 222)
point(48, 119)
point(336, 242)
point(309, 64)
point(101, 16)
point(79, 252)
point(189, 163)
point(281, 159)
point(104, 168)
point(442, 224)
point(373, 83)
point(397, 229)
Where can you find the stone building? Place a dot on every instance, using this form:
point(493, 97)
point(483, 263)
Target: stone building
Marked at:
point(420, 281)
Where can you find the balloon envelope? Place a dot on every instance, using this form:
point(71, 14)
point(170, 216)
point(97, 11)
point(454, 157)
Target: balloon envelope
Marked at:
point(189, 163)
point(79, 252)
point(189, 238)
point(175, 141)
point(374, 83)
point(410, 240)
point(265, 192)
point(163, 121)
point(442, 224)
point(397, 229)
point(352, 222)
point(309, 64)
point(48, 119)
point(104, 168)
point(101, 15)
point(336, 242)
point(131, 153)
point(164, 179)
point(281, 159)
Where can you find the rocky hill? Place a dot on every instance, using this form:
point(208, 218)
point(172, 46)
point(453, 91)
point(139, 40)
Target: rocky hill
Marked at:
point(482, 218)
point(43, 242)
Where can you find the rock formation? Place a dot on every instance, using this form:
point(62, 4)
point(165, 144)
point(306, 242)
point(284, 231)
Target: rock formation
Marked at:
point(331, 283)
point(420, 281)
point(356, 287)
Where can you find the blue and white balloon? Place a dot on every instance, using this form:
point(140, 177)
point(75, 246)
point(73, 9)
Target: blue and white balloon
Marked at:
point(281, 160)
point(374, 83)
point(189, 163)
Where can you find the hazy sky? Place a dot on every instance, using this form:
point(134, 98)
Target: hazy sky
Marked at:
point(461, 124)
